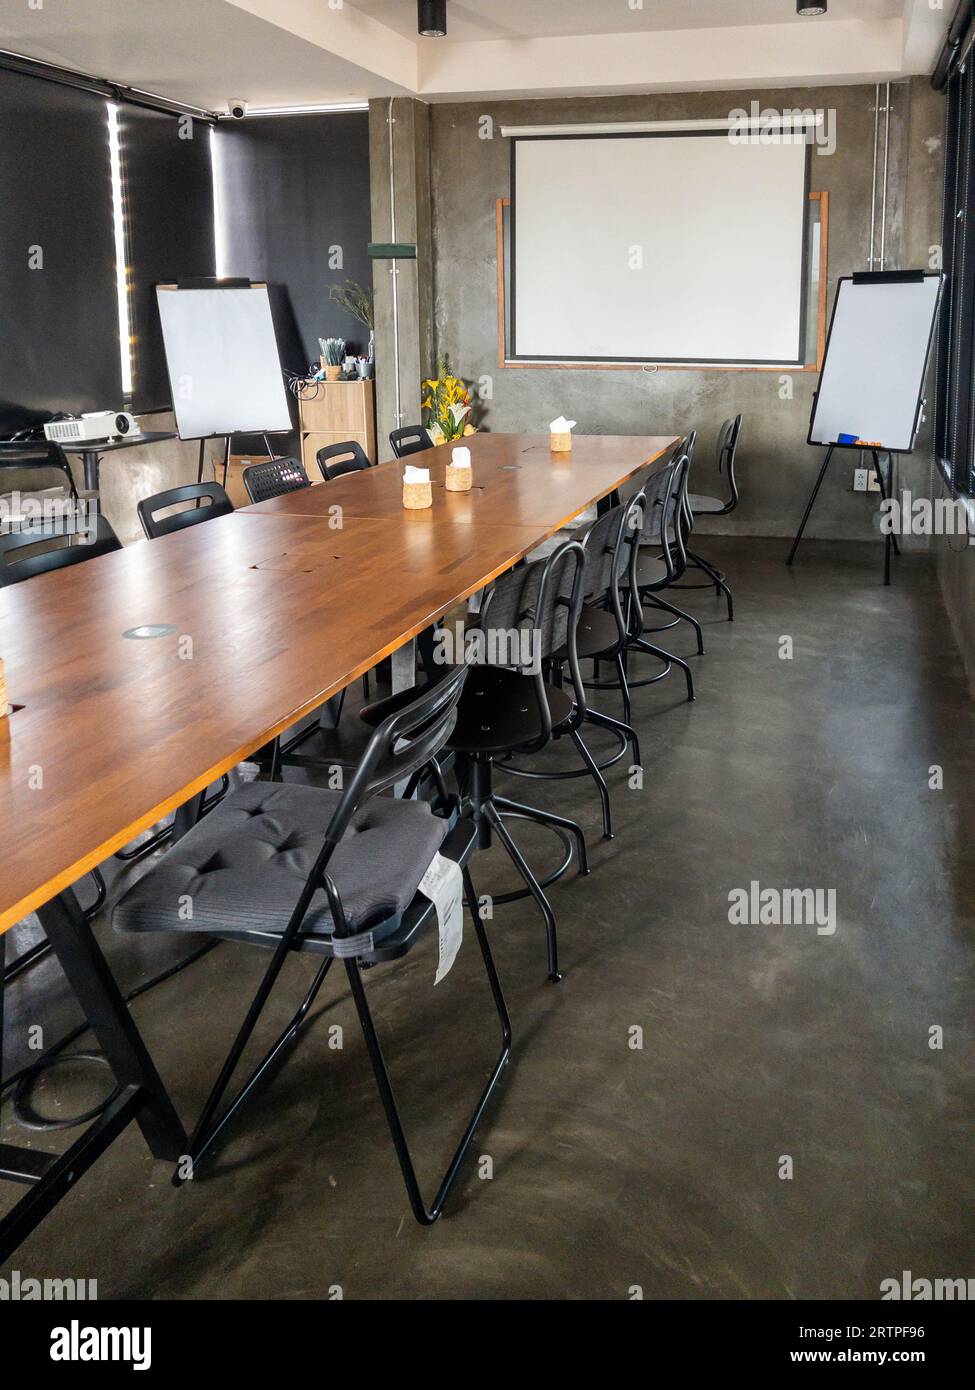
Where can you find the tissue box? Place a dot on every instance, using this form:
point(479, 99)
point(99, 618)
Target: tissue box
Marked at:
point(417, 496)
point(561, 441)
point(459, 479)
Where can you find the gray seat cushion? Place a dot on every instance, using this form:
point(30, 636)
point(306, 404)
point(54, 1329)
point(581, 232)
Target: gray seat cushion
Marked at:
point(243, 867)
point(701, 506)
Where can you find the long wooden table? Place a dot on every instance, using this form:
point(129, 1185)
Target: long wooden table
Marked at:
point(270, 612)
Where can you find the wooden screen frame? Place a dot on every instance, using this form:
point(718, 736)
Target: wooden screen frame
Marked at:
point(507, 364)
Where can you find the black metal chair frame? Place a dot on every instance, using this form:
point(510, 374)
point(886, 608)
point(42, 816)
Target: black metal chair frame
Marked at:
point(474, 770)
point(404, 746)
point(727, 451)
point(621, 526)
point(400, 441)
point(669, 545)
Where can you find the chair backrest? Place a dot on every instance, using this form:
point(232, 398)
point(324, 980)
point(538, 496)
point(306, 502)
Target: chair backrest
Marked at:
point(612, 546)
point(727, 454)
point(412, 439)
point(216, 499)
point(531, 613)
point(335, 460)
point(274, 478)
point(66, 540)
point(408, 740)
point(661, 499)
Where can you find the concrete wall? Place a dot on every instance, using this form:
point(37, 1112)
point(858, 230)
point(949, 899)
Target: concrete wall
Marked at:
point(777, 467)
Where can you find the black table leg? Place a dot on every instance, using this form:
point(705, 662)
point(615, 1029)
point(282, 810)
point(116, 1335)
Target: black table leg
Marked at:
point(809, 505)
point(91, 462)
point(142, 1096)
point(95, 989)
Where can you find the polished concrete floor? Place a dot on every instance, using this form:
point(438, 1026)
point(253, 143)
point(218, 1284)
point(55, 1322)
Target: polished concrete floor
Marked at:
point(614, 1167)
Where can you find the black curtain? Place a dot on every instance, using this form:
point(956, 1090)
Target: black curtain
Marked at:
point(168, 195)
point(59, 348)
point(955, 415)
point(293, 189)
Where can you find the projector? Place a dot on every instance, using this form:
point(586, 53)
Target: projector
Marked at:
point(98, 426)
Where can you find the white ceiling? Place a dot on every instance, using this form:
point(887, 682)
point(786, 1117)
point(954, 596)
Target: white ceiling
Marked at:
point(301, 52)
point(472, 21)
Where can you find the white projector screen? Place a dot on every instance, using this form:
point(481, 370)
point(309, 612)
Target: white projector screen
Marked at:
point(876, 361)
point(655, 247)
point(222, 355)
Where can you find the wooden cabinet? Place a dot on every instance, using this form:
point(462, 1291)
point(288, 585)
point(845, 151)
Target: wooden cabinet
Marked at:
point(333, 412)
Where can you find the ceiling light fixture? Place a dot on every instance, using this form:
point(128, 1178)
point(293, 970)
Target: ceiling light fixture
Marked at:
point(811, 7)
point(431, 18)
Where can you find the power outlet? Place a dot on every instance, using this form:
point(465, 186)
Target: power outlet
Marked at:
point(873, 482)
point(860, 480)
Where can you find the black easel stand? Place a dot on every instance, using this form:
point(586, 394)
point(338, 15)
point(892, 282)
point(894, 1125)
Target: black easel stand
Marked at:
point(886, 490)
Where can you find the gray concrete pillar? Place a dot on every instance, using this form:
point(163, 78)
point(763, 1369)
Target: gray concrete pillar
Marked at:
point(401, 211)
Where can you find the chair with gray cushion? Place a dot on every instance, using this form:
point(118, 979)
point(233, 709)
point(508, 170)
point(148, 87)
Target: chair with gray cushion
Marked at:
point(291, 867)
point(698, 505)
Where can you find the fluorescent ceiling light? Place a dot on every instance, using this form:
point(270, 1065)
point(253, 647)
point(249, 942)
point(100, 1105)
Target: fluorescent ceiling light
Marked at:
point(310, 110)
point(121, 275)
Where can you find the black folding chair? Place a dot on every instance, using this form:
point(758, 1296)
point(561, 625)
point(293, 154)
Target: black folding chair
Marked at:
point(207, 501)
point(335, 460)
point(412, 439)
point(602, 636)
point(295, 868)
point(275, 478)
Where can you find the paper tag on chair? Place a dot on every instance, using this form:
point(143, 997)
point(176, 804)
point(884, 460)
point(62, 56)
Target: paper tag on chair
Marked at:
point(443, 884)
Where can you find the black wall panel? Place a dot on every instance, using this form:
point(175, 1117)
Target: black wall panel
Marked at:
point(168, 195)
point(291, 188)
point(58, 324)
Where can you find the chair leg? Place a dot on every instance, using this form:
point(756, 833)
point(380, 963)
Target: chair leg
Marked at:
point(643, 645)
point(493, 818)
point(659, 602)
point(424, 1215)
point(720, 587)
point(600, 781)
point(595, 716)
point(624, 688)
point(505, 803)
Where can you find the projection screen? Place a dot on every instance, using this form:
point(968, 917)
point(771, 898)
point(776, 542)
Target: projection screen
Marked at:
point(659, 247)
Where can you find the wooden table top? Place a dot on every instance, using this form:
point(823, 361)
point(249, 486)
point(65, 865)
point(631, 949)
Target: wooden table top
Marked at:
point(516, 478)
point(272, 614)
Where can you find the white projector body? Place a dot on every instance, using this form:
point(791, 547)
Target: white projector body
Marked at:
point(96, 427)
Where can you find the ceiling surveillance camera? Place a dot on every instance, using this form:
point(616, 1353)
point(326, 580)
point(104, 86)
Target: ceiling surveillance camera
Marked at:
point(237, 107)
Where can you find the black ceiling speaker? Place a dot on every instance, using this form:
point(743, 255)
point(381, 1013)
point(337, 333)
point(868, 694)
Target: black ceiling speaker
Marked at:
point(811, 7)
point(432, 18)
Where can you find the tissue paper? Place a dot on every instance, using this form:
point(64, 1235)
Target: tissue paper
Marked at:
point(562, 425)
point(461, 457)
point(416, 475)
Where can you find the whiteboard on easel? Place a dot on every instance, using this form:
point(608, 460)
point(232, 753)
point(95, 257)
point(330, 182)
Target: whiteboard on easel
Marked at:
point(872, 385)
point(222, 356)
